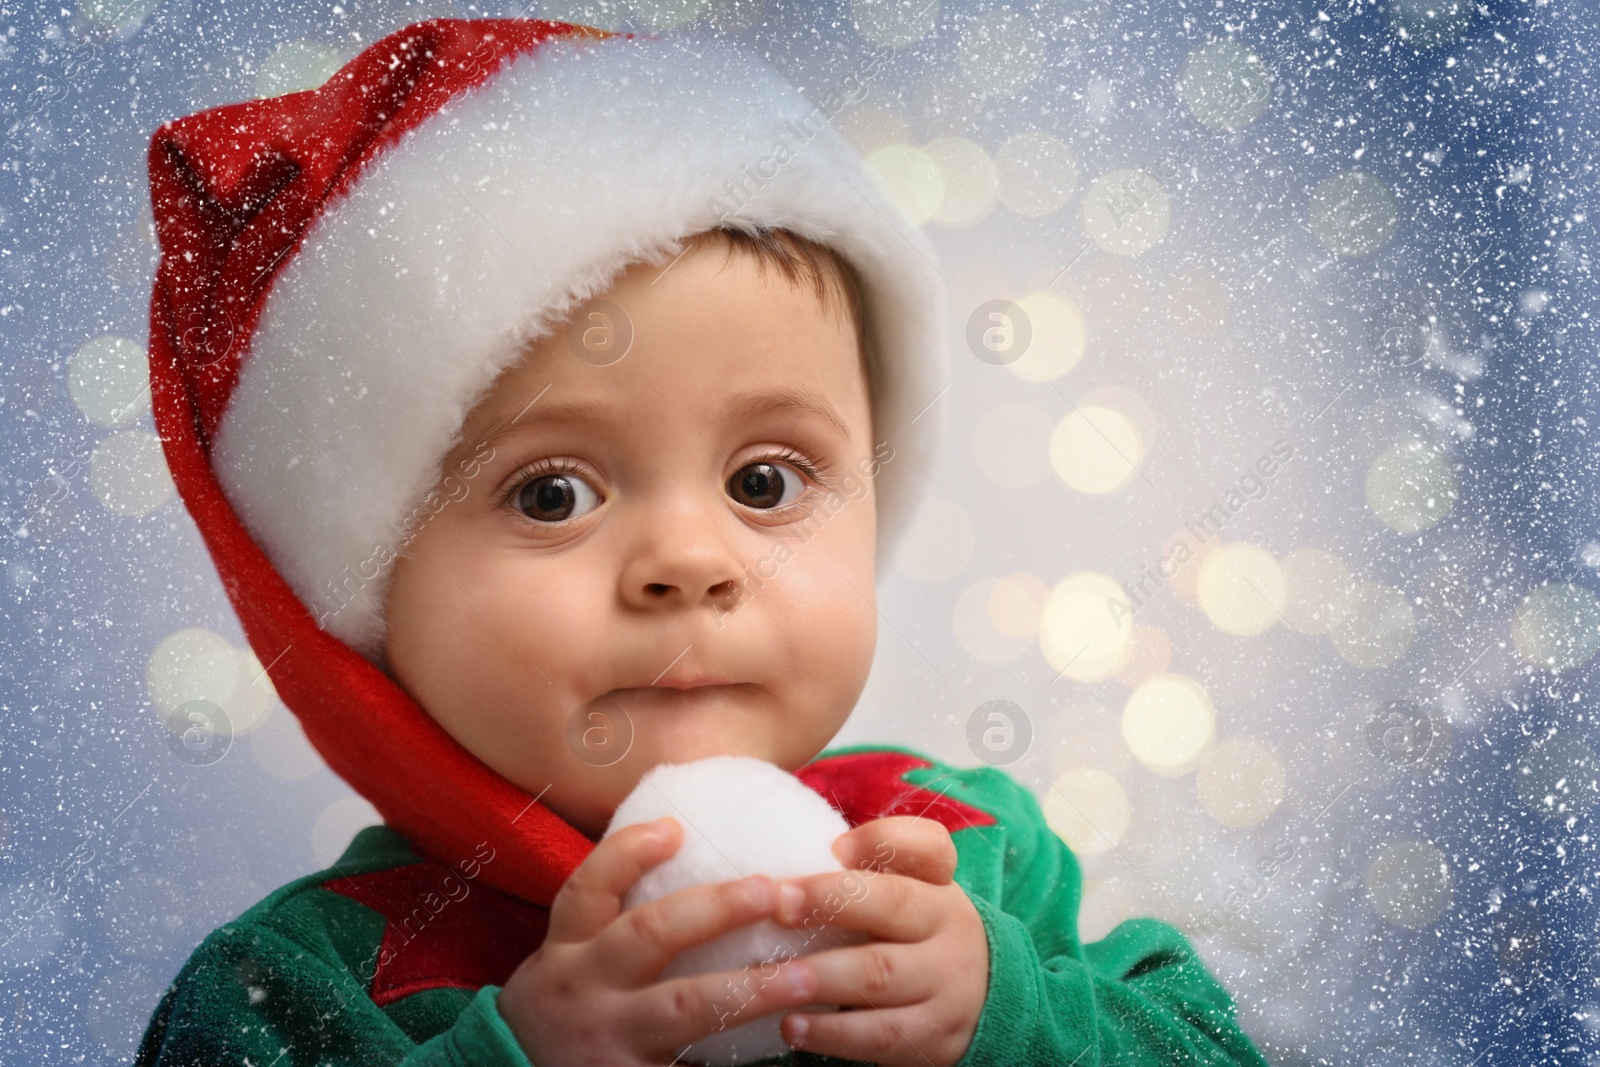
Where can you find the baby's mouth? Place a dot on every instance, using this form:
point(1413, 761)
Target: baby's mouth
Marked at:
point(680, 695)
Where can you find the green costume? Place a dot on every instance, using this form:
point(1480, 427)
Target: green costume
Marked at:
point(391, 958)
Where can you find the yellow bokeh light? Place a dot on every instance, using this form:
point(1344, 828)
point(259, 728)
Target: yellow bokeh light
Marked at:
point(1059, 336)
point(1001, 53)
point(1149, 654)
point(1411, 486)
point(1168, 724)
point(1242, 782)
point(969, 180)
point(1241, 588)
point(1096, 449)
point(1011, 443)
point(109, 380)
point(1370, 625)
point(1016, 605)
point(1557, 626)
point(1036, 173)
point(1316, 578)
point(1409, 882)
point(909, 178)
point(1088, 809)
point(1353, 213)
point(1085, 631)
point(977, 631)
point(1126, 212)
point(1225, 85)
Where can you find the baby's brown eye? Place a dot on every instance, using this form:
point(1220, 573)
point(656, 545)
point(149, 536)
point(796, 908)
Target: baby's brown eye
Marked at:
point(765, 485)
point(556, 498)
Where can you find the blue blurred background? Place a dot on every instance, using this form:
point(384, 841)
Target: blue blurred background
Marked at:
point(1362, 233)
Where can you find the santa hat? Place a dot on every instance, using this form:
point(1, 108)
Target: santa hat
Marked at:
point(345, 271)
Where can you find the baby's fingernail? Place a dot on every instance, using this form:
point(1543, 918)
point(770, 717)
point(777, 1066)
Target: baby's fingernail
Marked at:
point(844, 848)
point(798, 1025)
point(790, 897)
point(802, 980)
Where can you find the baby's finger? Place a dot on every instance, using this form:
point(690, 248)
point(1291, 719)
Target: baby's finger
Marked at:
point(904, 844)
point(643, 940)
point(592, 895)
point(890, 907)
point(684, 1010)
point(886, 1036)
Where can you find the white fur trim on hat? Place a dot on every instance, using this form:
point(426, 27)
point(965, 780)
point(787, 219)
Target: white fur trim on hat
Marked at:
point(480, 230)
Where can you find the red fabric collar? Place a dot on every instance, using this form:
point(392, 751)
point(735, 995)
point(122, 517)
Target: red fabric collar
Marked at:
point(233, 190)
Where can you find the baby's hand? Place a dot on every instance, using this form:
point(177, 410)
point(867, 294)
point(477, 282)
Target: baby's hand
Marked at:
point(919, 985)
point(589, 995)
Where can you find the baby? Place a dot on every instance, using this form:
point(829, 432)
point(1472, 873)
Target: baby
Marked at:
point(577, 467)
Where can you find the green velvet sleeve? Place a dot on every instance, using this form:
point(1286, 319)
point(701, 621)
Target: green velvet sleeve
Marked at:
point(1139, 996)
point(250, 995)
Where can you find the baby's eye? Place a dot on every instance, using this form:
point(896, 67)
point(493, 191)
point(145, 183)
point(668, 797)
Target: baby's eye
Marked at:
point(765, 485)
point(556, 497)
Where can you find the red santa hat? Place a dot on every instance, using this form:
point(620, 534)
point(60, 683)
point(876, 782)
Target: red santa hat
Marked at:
point(345, 271)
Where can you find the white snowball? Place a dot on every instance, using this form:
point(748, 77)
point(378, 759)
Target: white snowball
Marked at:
point(741, 816)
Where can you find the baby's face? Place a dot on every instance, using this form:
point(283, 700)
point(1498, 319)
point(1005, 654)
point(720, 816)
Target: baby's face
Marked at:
point(663, 559)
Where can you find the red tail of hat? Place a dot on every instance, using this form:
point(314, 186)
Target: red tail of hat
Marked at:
point(234, 190)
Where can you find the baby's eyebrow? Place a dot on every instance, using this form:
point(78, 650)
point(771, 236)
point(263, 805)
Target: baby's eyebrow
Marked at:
point(803, 401)
point(544, 412)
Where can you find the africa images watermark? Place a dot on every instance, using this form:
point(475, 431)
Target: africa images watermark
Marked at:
point(1208, 524)
point(758, 573)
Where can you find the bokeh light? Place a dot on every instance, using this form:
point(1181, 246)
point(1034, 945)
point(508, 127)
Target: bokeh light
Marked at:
point(1353, 213)
point(1085, 631)
point(1242, 782)
point(1126, 212)
point(968, 178)
point(109, 380)
point(1168, 724)
point(1411, 486)
point(198, 664)
point(128, 473)
point(1557, 626)
point(1058, 340)
point(1316, 578)
point(1096, 449)
point(1371, 624)
point(1225, 85)
point(1088, 809)
point(1241, 588)
point(296, 66)
point(910, 178)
